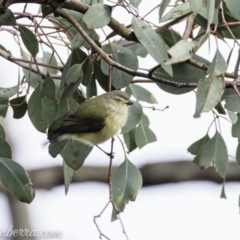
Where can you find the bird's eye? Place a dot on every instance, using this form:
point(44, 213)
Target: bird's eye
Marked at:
point(118, 99)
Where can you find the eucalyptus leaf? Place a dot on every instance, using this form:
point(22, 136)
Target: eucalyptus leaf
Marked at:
point(68, 174)
point(5, 149)
point(140, 93)
point(97, 16)
point(126, 182)
point(210, 90)
point(178, 11)
point(6, 93)
point(134, 116)
point(7, 19)
point(124, 57)
point(144, 135)
point(29, 40)
point(19, 107)
point(215, 151)
point(16, 180)
point(74, 153)
point(153, 42)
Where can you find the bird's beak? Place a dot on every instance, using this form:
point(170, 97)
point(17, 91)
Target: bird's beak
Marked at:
point(130, 102)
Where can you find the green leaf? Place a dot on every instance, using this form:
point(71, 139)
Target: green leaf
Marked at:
point(77, 41)
point(34, 78)
point(74, 153)
point(134, 117)
point(144, 135)
point(207, 9)
point(170, 37)
point(140, 93)
point(74, 74)
point(7, 18)
point(233, 8)
point(238, 154)
point(68, 174)
point(182, 73)
point(97, 16)
point(56, 147)
point(153, 42)
point(129, 139)
point(136, 48)
point(16, 180)
point(197, 146)
point(5, 149)
point(46, 10)
point(178, 11)
point(48, 88)
point(223, 194)
point(2, 132)
point(77, 57)
point(3, 107)
point(236, 127)
point(6, 93)
point(210, 90)
point(124, 57)
point(163, 6)
point(135, 3)
point(126, 182)
point(92, 87)
point(233, 117)
point(29, 40)
point(215, 151)
point(19, 107)
point(220, 109)
point(41, 110)
point(180, 52)
point(49, 59)
point(232, 100)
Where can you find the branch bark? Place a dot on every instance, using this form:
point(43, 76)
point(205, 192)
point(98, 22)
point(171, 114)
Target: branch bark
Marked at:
point(153, 174)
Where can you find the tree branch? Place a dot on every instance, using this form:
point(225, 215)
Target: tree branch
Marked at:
point(153, 174)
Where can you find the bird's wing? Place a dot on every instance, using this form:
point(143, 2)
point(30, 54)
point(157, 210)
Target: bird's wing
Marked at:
point(73, 124)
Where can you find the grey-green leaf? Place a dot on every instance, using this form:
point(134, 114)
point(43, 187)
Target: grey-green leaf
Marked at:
point(215, 151)
point(135, 3)
point(123, 56)
point(77, 41)
point(163, 7)
point(2, 132)
point(68, 174)
point(144, 135)
point(3, 107)
point(29, 40)
point(48, 88)
point(140, 93)
point(5, 149)
point(129, 139)
point(74, 153)
point(6, 93)
point(19, 107)
point(97, 16)
point(7, 19)
point(178, 11)
point(233, 8)
point(210, 90)
point(41, 110)
point(126, 182)
point(74, 74)
point(153, 42)
point(16, 180)
point(134, 116)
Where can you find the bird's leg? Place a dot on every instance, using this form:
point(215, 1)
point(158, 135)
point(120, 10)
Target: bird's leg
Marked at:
point(108, 154)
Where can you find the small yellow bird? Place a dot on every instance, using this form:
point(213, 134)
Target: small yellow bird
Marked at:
point(96, 120)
